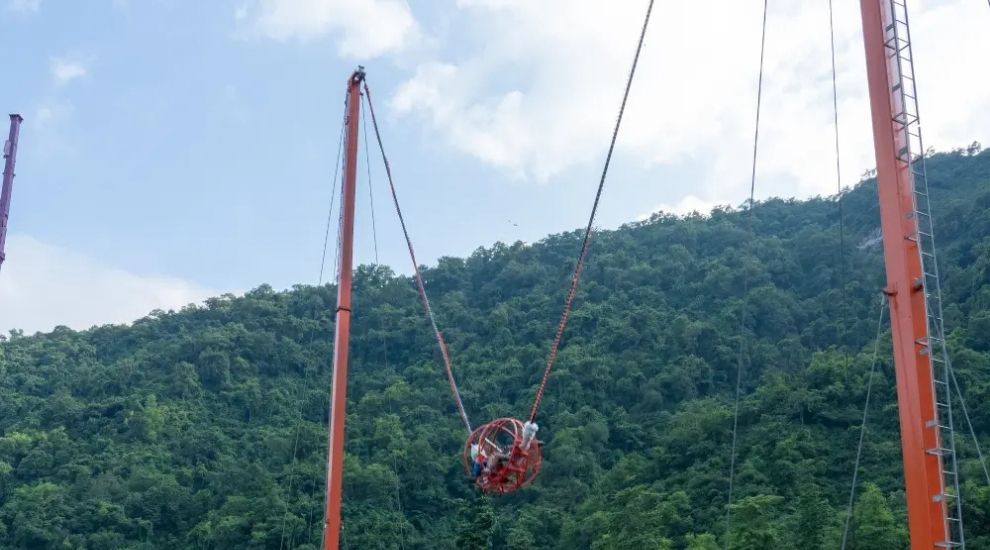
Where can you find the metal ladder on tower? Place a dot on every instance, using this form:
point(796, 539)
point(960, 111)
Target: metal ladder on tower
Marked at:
point(912, 153)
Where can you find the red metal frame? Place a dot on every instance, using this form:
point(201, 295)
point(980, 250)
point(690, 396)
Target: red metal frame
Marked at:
point(927, 513)
point(10, 157)
point(504, 435)
point(338, 388)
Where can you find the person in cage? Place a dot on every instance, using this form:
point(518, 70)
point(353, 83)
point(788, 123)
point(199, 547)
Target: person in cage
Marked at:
point(479, 462)
point(498, 463)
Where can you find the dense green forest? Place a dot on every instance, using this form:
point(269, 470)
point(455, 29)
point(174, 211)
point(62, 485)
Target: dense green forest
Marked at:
point(206, 428)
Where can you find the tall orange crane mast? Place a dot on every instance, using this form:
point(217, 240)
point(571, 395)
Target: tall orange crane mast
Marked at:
point(920, 360)
point(9, 157)
point(338, 385)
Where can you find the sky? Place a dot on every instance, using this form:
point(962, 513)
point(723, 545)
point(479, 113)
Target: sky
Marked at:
point(174, 150)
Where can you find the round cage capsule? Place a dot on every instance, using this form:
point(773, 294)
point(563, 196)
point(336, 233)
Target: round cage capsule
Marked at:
point(507, 456)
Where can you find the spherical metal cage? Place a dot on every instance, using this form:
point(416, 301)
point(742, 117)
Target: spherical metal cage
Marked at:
point(506, 461)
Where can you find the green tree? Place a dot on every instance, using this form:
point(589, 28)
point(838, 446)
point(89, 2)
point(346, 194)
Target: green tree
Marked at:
point(814, 519)
point(873, 523)
point(478, 526)
point(704, 541)
point(754, 524)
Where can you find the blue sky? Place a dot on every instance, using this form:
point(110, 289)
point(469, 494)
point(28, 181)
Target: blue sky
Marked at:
point(175, 149)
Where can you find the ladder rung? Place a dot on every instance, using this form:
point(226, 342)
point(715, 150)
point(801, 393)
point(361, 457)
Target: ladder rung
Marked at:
point(935, 424)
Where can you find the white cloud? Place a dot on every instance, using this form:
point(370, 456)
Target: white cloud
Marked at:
point(66, 69)
point(49, 124)
point(536, 90)
point(24, 6)
point(364, 28)
point(42, 286)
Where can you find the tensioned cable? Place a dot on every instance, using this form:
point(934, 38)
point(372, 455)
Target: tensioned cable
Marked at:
point(835, 119)
point(309, 516)
point(969, 423)
point(568, 302)
point(419, 278)
point(333, 197)
point(862, 426)
point(742, 313)
point(374, 234)
point(292, 475)
point(371, 191)
point(374, 224)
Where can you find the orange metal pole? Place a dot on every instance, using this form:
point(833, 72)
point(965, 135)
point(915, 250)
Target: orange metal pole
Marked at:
point(923, 480)
point(338, 388)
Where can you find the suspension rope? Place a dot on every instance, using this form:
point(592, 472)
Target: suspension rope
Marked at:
point(419, 278)
point(862, 426)
point(395, 469)
point(333, 197)
point(969, 423)
point(312, 501)
point(743, 309)
point(568, 302)
point(374, 234)
point(371, 191)
point(292, 475)
point(835, 119)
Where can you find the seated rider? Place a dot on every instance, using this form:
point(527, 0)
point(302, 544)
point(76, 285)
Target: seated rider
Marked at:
point(497, 464)
point(478, 461)
point(529, 431)
point(520, 449)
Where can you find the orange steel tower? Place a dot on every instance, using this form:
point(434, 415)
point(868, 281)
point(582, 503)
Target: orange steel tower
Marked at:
point(920, 359)
point(9, 157)
point(338, 386)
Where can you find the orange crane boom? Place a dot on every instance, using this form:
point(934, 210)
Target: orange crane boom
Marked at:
point(342, 336)
point(9, 157)
point(920, 363)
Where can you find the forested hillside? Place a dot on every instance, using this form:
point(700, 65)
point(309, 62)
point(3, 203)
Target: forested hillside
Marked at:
point(205, 428)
